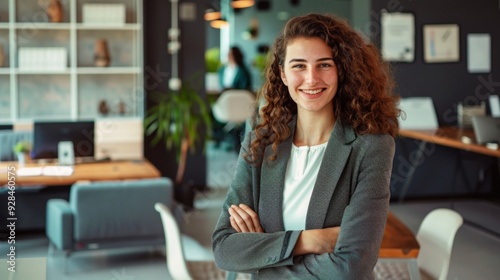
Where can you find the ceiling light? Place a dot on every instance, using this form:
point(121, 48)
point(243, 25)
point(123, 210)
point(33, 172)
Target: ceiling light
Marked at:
point(218, 23)
point(239, 4)
point(211, 14)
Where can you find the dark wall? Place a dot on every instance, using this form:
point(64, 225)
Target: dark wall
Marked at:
point(157, 71)
point(447, 83)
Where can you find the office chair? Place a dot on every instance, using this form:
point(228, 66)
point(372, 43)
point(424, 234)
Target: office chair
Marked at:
point(232, 108)
point(178, 266)
point(435, 236)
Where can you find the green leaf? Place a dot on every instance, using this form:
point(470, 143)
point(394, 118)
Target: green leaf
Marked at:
point(177, 115)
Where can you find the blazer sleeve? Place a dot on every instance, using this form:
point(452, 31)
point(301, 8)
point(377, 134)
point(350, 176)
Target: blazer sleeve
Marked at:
point(220, 74)
point(243, 79)
point(362, 226)
point(248, 252)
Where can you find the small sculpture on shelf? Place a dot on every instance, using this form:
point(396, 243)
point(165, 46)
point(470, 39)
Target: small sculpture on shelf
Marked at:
point(53, 8)
point(122, 107)
point(103, 107)
point(102, 57)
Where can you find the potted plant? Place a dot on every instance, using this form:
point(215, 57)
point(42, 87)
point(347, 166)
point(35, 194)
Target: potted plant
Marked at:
point(178, 120)
point(22, 150)
point(212, 65)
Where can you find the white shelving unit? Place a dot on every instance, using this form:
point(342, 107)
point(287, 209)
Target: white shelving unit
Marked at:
point(75, 92)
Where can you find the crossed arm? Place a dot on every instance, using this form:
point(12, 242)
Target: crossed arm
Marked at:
point(313, 241)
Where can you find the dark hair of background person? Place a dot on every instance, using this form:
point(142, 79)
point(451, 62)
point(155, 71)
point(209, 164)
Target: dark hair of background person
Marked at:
point(238, 56)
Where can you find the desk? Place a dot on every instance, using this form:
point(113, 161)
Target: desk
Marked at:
point(450, 137)
point(97, 171)
point(400, 248)
point(398, 241)
point(32, 192)
point(445, 136)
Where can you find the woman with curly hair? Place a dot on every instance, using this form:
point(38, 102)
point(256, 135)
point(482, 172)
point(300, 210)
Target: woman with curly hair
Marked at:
point(310, 194)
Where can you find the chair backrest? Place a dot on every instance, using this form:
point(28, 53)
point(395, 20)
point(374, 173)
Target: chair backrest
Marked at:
point(435, 236)
point(234, 105)
point(119, 209)
point(176, 263)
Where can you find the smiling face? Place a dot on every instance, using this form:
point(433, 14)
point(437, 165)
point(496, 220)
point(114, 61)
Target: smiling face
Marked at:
point(310, 74)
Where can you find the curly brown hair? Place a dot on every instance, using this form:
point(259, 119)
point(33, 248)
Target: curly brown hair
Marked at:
point(364, 99)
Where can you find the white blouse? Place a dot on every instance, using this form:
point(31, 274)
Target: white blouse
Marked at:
point(229, 74)
point(301, 173)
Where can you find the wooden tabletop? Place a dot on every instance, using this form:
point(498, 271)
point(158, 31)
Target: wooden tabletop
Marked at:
point(96, 171)
point(399, 241)
point(451, 137)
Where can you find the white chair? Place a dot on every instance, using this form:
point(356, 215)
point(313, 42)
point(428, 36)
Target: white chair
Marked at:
point(233, 108)
point(178, 267)
point(185, 268)
point(435, 236)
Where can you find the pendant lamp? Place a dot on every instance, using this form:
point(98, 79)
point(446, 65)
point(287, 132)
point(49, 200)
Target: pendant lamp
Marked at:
point(240, 4)
point(219, 23)
point(211, 14)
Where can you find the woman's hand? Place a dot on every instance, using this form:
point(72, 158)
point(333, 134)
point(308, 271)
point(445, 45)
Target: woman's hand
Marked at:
point(244, 219)
point(317, 241)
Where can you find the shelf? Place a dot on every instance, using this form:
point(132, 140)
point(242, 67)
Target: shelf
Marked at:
point(128, 26)
point(74, 90)
point(43, 118)
point(108, 70)
point(41, 72)
point(42, 25)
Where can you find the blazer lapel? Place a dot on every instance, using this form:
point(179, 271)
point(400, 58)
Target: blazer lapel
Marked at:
point(334, 160)
point(236, 77)
point(272, 185)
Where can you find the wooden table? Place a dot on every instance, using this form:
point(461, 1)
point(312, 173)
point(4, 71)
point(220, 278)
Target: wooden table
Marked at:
point(399, 245)
point(451, 137)
point(399, 241)
point(448, 136)
point(96, 171)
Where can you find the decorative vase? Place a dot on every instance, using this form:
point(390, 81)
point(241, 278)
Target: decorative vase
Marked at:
point(22, 158)
point(54, 11)
point(102, 57)
point(122, 107)
point(103, 107)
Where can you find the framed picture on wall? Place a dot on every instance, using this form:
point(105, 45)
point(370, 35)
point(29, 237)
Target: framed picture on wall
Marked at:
point(441, 43)
point(398, 36)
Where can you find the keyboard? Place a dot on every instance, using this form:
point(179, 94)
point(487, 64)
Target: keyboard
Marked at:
point(45, 171)
point(57, 170)
point(29, 171)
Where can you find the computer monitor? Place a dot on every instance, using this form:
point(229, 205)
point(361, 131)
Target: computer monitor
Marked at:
point(5, 127)
point(494, 101)
point(47, 135)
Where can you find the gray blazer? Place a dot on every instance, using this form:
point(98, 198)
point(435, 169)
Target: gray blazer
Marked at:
point(351, 190)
